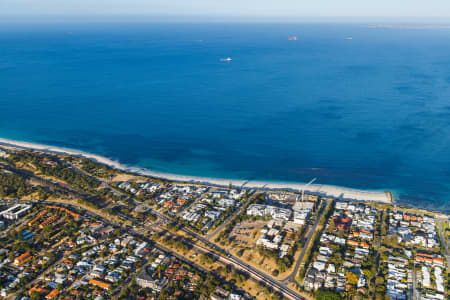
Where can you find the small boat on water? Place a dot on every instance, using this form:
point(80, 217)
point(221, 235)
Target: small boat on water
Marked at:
point(226, 59)
point(294, 38)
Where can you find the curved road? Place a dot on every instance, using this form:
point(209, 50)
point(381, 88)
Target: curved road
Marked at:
point(230, 259)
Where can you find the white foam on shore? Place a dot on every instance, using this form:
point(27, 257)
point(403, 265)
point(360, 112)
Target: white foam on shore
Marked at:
point(324, 190)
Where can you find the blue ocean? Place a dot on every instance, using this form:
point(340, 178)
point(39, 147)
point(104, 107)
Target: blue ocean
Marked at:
point(353, 105)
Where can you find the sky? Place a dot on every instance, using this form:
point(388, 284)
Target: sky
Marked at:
point(431, 10)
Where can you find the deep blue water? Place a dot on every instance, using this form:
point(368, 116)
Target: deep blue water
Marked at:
point(372, 112)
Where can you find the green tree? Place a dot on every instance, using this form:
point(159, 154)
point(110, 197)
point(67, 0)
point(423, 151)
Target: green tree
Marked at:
point(35, 296)
point(352, 278)
point(332, 226)
point(326, 295)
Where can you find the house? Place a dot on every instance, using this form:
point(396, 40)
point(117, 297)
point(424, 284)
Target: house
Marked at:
point(300, 217)
point(330, 281)
point(426, 281)
point(424, 257)
point(226, 203)
point(341, 205)
point(53, 294)
point(219, 193)
point(140, 249)
point(331, 268)
point(213, 214)
point(339, 241)
point(325, 251)
point(67, 211)
point(352, 243)
point(420, 238)
point(342, 223)
point(40, 215)
point(181, 201)
point(439, 280)
point(220, 293)
point(100, 284)
point(361, 281)
point(362, 251)
point(146, 280)
point(169, 204)
point(20, 260)
point(364, 245)
point(437, 261)
point(364, 234)
point(318, 265)
point(38, 289)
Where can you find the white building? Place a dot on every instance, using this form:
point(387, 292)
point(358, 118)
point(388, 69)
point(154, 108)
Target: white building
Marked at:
point(213, 214)
point(15, 212)
point(426, 282)
point(226, 203)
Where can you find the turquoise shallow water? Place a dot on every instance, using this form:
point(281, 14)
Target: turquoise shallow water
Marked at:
point(371, 113)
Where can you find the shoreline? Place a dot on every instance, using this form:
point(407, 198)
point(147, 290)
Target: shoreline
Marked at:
point(338, 192)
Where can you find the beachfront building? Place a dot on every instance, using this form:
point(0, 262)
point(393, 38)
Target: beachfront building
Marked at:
point(302, 211)
point(414, 229)
point(261, 210)
point(345, 246)
point(220, 193)
point(226, 203)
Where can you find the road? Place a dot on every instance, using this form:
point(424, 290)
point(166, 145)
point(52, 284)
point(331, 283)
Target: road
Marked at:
point(228, 259)
point(377, 248)
point(64, 188)
point(291, 278)
point(103, 182)
point(311, 231)
point(444, 241)
point(231, 217)
point(115, 224)
point(439, 221)
point(414, 280)
point(42, 275)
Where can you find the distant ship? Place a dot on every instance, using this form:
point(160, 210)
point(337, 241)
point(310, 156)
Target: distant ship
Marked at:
point(294, 38)
point(226, 59)
point(348, 38)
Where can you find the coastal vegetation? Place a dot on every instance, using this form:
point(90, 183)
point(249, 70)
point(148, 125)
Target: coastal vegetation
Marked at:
point(93, 168)
point(13, 186)
point(55, 176)
point(50, 165)
point(83, 180)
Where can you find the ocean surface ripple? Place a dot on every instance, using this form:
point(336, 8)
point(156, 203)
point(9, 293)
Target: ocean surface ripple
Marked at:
point(371, 112)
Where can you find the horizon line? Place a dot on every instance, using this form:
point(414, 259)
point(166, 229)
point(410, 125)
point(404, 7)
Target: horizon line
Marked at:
point(133, 18)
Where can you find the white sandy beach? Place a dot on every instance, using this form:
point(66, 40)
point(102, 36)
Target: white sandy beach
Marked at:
point(325, 190)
